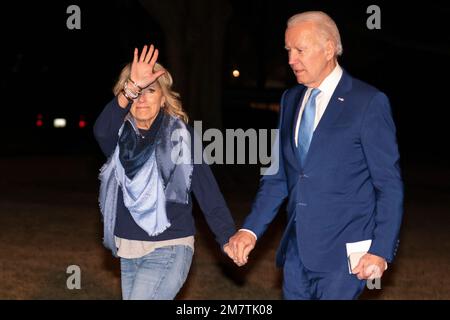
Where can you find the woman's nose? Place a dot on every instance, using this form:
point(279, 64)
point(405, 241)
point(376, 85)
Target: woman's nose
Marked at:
point(141, 98)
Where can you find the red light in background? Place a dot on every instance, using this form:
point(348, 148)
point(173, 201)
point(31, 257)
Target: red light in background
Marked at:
point(82, 123)
point(39, 122)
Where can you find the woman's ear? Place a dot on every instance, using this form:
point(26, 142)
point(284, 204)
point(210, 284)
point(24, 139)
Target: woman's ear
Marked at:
point(163, 102)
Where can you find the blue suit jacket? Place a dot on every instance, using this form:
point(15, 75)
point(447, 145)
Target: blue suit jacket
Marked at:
point(350, 187)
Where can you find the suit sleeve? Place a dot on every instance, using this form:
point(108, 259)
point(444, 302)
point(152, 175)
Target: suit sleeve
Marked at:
point(272, 188)
point(379, 144)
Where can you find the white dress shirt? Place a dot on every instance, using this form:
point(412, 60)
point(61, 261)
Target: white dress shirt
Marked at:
point(326, 88)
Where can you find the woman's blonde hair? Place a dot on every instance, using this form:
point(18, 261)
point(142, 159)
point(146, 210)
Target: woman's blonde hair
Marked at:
point(172, 105)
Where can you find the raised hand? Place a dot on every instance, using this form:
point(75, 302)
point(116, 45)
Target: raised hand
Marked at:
point(142, 72)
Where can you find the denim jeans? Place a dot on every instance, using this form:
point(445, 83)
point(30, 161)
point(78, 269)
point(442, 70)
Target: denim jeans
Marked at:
point(158, 275)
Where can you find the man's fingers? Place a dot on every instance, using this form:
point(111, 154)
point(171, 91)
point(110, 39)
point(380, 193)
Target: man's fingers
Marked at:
point(362, 269)
point(247, 251)
point(241, 244)
point(234, 245)
point(243, 257)
point(356, 269)
point(239, 252)
point(373, 271)
point(228, 251)
point(359, 267)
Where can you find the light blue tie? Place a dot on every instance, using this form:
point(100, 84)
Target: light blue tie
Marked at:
point(306, 129)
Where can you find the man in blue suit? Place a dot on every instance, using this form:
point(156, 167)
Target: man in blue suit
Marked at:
point(339, 169)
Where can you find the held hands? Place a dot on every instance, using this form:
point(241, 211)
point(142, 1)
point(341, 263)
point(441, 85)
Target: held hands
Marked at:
point(370, 267)
point(239, 247)
point(142, 68)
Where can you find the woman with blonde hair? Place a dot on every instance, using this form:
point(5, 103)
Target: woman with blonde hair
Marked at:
point(148, 181)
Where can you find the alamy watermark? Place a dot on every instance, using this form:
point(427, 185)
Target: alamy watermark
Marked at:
point(372, 284)
point(74, 20)
point(374, 281)
point(374, 20)
point(235, 147)
point(74, 280)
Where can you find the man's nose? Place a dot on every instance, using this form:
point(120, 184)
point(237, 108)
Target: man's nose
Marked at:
point(292, 58)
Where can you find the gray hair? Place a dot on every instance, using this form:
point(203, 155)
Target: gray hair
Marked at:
point(326, 26)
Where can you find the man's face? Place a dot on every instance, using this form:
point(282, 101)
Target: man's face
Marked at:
point(310, 56)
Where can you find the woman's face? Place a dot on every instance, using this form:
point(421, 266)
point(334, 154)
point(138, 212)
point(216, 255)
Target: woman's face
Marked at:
point(146, 107)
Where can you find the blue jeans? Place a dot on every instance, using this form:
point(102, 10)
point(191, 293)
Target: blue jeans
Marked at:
point(158, 275)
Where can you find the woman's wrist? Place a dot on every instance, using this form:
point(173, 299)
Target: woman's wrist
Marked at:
point(123, 100)
point(137, 85)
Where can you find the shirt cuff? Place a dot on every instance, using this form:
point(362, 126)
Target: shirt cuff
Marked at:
point(249, 231)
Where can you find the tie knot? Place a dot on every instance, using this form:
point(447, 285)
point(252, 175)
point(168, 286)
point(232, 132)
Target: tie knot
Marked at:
point(314, 93)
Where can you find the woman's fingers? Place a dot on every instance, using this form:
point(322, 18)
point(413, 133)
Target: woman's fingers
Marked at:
point(143, 54)
point(154, 58)
point(149, 54)
point(135, 57)
point(143, 64)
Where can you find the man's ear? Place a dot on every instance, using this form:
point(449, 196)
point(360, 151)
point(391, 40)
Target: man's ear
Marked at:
point(329, 50)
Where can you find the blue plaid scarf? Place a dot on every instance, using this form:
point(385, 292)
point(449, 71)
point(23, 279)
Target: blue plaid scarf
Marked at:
point(149, 174)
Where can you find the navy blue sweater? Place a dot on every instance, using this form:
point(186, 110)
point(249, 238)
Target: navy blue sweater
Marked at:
point(204, 187)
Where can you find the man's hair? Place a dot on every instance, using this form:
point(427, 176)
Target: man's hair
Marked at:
point(325, 25)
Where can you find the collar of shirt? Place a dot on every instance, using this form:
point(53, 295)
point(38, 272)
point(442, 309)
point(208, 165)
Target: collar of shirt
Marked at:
point(330, 83)
point(326, 88)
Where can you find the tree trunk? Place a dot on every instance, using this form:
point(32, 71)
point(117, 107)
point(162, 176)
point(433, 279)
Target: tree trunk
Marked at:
point(194, 33)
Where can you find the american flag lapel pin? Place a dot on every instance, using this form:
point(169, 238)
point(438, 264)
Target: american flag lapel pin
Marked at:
point(341, 99)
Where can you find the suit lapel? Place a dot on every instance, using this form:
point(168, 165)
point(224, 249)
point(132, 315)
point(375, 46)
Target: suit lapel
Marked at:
point(332, 112)
point(298, 98)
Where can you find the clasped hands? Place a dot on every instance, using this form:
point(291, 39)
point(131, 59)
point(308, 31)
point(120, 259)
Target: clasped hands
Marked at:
point(239, 247)
point(242, 243)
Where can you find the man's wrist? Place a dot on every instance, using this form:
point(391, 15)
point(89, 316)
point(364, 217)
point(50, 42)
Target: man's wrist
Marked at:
point(249, 231)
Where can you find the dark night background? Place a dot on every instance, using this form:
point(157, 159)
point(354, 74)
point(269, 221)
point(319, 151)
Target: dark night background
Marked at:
point(50, 70)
